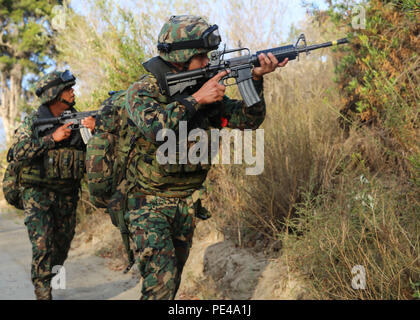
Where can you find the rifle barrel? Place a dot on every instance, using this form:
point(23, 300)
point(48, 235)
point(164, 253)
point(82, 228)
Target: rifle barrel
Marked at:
point(292, 52)
point(323, 45)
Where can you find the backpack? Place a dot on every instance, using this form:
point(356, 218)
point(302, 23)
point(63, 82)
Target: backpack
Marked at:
point(107, 150)
point(107, 153)
point(11, 188)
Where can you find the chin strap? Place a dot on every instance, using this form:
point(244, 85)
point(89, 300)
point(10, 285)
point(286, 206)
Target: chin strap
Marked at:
point(70, 104)
point(186, 65)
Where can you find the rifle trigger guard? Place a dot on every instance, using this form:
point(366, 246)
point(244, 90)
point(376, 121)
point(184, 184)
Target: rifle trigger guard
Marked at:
point(231, 74)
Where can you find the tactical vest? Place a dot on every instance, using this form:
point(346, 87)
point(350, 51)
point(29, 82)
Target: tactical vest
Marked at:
point(170, 180)
point(60, 168)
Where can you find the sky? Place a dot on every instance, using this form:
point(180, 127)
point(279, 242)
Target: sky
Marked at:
point(295, 13)
point(295, 9)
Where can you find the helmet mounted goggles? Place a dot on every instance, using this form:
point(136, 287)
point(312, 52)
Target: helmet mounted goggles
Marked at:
point(210, 39)
point(65, 77)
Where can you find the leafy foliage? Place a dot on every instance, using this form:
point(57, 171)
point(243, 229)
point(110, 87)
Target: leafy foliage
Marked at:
point(26, 34)
point(102, 50)
point(380, 74)
point(26, 50)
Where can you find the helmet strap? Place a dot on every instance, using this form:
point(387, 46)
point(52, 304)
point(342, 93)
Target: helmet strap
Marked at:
point(187, 64)
point(70, 104)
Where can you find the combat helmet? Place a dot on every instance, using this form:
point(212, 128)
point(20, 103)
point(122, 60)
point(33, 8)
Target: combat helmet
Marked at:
point(52, 84)
point(182, 37)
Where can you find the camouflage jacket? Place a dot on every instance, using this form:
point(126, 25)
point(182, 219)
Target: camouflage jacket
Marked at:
point(47, 163)
point(28, 147)
point(151, 111)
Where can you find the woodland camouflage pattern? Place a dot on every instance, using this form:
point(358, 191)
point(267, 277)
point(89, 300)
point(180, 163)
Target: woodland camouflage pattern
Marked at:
point(182, 28)
point(51, 93)
point(50, 218)
point(108, 149)
point(106, 158)
point(25, 146)
point(100, 153)
point(162, 229)
point(30, 149)
point(151, 111)
point(164, 202)
point(50, 210)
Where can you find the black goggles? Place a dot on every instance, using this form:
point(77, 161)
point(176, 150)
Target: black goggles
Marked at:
point(65, 77)
point(210, 39)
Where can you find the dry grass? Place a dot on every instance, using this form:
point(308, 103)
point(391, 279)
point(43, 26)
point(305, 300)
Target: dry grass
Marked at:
point(361, 222)
point(310, 202)
point(303, 149)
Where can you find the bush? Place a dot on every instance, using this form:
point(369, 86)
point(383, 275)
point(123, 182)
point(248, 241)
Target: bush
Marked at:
point(314, 198)
point(379, 76)
point(360, 223)
point(304, 147)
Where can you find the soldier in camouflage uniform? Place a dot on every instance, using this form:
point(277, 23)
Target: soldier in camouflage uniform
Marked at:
point(53, 164)
point(164, 200)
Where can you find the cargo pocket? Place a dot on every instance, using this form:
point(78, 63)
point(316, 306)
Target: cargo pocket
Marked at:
point(51, 164)
point(66, 163)
point(78, 164)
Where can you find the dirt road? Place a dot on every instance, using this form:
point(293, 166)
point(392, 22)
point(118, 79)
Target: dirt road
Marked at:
point(216, 268)
point(87, 276)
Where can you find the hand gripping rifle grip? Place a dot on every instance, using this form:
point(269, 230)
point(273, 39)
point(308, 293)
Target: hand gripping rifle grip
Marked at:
point(246, 88)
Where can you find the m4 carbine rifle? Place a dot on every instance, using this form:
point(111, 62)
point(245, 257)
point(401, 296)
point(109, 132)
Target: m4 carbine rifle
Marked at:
point(240, 68)
point(67, 117)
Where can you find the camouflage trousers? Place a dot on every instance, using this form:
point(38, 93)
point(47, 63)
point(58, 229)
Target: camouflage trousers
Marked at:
point(50, 218)
point(162, 230)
